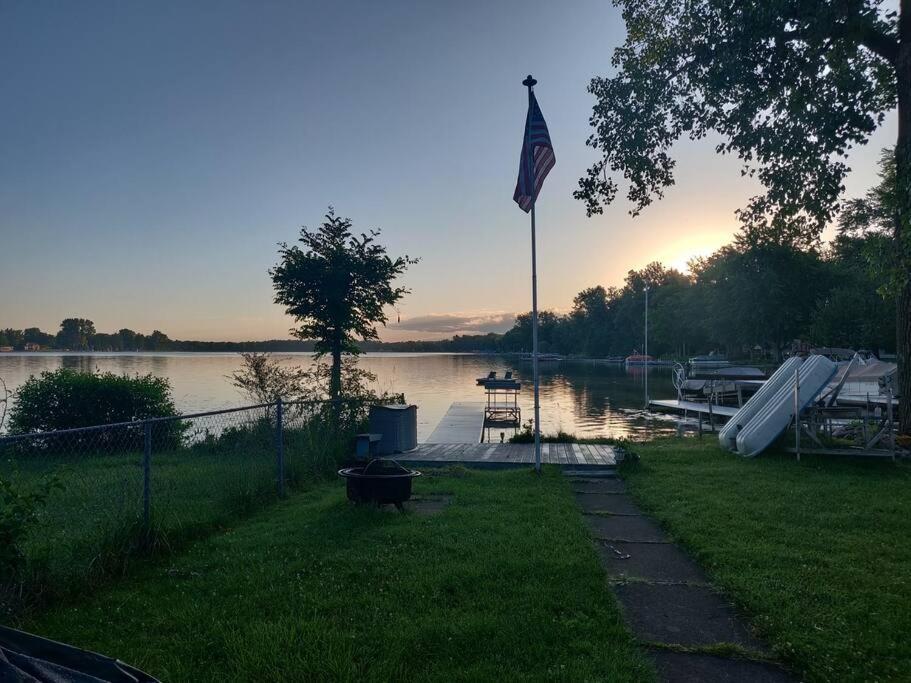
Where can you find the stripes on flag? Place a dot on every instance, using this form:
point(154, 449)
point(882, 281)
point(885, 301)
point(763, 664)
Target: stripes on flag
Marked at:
point(537, 157)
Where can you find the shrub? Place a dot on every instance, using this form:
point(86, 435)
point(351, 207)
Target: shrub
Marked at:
point(64, 399)
point(262, 378)
point(527, 435)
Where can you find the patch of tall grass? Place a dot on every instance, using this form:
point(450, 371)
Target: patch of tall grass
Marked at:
point(91, 524)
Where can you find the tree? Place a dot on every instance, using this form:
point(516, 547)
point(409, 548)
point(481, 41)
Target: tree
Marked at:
point(867, 223)
point(33, 335)
point(157, 341)
point(591, 317)
point(791, 86)
point(863, 261)
point(761, 294)
point(75, 334)
point(264, 380)
point(11, 337)
point(673, 319)
point(519, 338)
point(128, 339)
point(336, 287)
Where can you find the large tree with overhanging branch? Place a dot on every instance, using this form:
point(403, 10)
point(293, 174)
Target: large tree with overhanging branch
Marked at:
point(789, 85)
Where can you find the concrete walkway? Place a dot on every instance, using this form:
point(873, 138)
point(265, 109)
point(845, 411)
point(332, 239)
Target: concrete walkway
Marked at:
point(666, 599)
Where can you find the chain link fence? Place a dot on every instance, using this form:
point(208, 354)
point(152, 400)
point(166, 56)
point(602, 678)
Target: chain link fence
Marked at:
point(96, 497)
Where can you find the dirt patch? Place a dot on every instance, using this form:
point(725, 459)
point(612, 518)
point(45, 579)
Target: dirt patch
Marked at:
point(424, 506)
point(428, 505)
point(457, 471)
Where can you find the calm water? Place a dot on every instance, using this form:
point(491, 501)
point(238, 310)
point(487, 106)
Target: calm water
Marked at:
point(579, 397)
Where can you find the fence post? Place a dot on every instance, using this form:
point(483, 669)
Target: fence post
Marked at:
point(147, 477)
point(280, 446)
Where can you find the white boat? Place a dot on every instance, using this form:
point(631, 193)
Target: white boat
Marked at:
point(783, 375)
point(642, 359)
point(710, 361)
point(776, 414)
point(869, 378)
point(543, 357)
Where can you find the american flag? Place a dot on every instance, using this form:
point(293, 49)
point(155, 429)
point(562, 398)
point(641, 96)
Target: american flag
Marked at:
point(537, 157)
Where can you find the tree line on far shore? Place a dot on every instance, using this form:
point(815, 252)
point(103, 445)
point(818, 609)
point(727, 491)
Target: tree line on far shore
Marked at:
point(78, 334)
point(759, 293)
point(743, 300)
point(746, 295)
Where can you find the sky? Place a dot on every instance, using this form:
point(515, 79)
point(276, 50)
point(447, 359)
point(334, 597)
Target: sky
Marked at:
point(153, 155)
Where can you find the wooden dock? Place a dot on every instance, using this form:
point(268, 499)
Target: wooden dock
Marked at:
point(457, 441)
point(462, 424)
point(569, 455)
point(694, 407)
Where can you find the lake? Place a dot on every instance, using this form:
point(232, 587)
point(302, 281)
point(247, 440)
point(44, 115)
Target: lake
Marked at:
point(581, 397)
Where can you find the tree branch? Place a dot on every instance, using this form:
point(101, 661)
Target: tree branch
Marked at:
point(869, 35)
point(862, 30)
point(879, 43)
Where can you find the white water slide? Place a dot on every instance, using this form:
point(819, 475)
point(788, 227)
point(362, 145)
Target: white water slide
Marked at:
point(775, 416)
point(781, 377)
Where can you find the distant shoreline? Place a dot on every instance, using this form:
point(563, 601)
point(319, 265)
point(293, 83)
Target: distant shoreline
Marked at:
point(171, 352)
point(166, 345)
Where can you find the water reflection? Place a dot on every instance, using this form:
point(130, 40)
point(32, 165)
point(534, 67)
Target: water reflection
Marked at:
point(585, 398)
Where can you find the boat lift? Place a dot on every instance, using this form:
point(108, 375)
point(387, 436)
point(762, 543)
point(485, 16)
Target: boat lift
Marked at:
point(501, 410)
point(800, 398)
point(713, 386)
point(851, 429)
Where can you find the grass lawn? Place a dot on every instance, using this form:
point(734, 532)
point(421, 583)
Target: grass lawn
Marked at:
point(90, 523)
point(502, 584)
point(816, 553)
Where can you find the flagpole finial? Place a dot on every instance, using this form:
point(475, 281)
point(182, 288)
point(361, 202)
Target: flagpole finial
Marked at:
point(529, 82)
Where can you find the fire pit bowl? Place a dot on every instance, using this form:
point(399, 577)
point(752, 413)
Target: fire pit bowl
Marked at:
point(380, 481)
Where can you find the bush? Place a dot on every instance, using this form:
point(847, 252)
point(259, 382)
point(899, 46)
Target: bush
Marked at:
point(527, 435)
point(64, 399)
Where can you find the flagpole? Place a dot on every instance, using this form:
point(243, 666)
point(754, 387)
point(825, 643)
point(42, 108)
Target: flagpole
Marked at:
point(530, 83)
point(646, 346)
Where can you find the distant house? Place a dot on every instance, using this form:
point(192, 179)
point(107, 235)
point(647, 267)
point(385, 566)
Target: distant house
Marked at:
point(6, 349)
point(32, 346)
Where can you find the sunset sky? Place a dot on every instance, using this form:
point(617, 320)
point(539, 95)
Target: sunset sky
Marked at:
point(154, 154)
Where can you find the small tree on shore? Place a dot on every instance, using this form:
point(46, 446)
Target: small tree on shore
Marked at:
point(336, 285)
point(265, 380)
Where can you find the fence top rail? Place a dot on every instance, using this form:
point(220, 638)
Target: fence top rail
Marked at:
point(10, 438)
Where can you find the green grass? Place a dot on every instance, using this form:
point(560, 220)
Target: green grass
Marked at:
point(816, 553)
point(91, 524)
point(503, 584)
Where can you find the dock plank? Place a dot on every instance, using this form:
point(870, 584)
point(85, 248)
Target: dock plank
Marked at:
point(561, 454)
point(577, 454)
point(457, 439)
point(608, 454)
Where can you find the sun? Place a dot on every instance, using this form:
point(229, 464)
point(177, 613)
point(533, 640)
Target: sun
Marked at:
point(677, 253)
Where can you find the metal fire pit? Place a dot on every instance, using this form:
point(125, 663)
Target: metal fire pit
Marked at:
point(380, 481)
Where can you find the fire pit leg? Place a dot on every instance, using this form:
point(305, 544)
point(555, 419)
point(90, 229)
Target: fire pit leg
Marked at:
point(400, 507)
